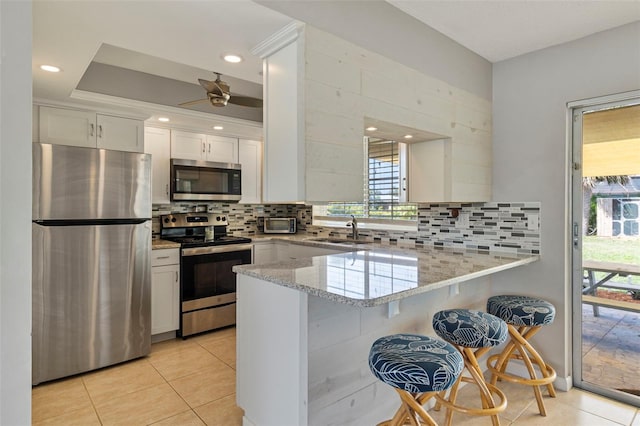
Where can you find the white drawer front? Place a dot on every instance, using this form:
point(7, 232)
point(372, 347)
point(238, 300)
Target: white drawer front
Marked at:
point(161, 257)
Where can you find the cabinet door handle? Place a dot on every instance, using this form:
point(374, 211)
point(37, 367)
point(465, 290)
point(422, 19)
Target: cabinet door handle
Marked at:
point(162, 257)
point(176, 276)
point(209, 148)
point(100, 131)
point(204, 149)
point(92, 129)
point(166, 189)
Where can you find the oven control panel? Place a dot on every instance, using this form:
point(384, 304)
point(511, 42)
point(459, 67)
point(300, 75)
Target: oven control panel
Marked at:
point(185, 220)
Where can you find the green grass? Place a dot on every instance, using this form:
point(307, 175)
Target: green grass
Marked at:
point(612, 249)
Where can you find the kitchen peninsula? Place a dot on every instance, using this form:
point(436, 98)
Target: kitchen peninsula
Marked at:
point(304, 327)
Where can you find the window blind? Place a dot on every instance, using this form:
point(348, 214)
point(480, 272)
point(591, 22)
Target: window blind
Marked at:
point(382, 188)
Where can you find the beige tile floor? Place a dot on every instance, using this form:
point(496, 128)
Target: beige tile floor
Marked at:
point(182, 382)
point(192, 382)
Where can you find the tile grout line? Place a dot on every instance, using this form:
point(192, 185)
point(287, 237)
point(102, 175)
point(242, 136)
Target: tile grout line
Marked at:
point(93, 404)
point(177, 393)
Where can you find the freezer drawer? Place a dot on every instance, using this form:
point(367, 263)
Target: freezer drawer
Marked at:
point(91, 297)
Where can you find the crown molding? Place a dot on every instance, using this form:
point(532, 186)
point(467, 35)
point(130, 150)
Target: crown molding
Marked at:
point(278, 40)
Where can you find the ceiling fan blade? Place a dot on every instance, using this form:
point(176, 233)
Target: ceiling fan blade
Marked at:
point(193, 102)
point(245, 101)
point(209, 86)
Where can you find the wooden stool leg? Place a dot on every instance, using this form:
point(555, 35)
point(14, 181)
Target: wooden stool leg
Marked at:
point(476, 374)
point(490, 407)
point(544, 368)
point(412, 410)
point(415, 408)
point(519, 348)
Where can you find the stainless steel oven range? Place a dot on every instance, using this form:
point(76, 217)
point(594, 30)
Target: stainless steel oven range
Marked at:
point(207, 282)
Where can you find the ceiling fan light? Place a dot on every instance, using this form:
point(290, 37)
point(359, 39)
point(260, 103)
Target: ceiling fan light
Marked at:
point(232, 58)
point(218, 128)
point(218, 101)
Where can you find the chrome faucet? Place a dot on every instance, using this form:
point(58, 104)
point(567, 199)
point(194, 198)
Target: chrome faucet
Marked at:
point(354, 224)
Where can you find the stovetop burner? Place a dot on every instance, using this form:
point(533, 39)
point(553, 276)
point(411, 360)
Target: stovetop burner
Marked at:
point(188, 229)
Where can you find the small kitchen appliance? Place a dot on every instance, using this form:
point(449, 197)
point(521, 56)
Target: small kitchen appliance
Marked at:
point(280, 225)
point(207, 282)
point(193, 180)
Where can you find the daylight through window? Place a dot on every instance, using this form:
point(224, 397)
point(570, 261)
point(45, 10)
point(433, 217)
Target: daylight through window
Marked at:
point(384, 187)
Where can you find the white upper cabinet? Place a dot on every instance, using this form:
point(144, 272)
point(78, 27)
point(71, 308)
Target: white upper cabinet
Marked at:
point(188, 146)
point(198, 146)
point(313, 147)
point(121, 134)
point(90, 129)
point(250, 158)
point(67, 127)
point(158, 144)
point(222, 149)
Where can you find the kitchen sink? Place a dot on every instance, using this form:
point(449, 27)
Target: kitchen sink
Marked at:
point(338, 241)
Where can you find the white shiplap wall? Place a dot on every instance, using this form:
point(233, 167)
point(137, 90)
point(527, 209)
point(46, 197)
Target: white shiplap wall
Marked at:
point(345, 83)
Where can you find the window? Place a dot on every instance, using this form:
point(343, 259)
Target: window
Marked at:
point(384, 193)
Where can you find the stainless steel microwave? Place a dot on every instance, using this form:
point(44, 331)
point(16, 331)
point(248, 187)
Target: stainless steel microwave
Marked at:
point(193, 180)
point(279, 225)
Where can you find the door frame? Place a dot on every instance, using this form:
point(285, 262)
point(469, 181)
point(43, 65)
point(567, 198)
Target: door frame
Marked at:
point(575, 111)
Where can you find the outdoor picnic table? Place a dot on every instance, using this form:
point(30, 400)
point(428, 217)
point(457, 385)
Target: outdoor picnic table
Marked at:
point(612, 270)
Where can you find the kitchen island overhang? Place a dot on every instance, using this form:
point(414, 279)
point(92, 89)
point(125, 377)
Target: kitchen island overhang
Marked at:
point(305, 326)
point(383, 274)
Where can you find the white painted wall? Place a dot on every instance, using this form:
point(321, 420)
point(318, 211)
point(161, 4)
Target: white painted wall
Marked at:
point(530, 157)
point(15, 217)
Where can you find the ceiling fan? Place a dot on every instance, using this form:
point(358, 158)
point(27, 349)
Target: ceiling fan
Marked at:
point(218, 94)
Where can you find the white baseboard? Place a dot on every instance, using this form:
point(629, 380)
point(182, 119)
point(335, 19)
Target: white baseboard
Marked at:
point(247, 422)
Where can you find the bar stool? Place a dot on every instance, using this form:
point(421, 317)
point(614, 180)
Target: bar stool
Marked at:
point(417, 367)
point(525, 316)
point(473, 333)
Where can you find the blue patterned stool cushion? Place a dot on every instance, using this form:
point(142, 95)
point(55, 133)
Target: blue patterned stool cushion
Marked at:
point(468, 328)
point(415, 363)
point(521, 310)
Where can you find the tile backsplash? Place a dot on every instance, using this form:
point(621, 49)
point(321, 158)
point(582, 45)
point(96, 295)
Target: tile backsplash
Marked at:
point(243, 218)
point(495, 226)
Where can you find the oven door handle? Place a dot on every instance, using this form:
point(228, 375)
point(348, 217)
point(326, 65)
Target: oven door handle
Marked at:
point(228, 248)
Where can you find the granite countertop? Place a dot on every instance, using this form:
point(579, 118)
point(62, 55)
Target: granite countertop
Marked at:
point(373, 274)
point(157, 244)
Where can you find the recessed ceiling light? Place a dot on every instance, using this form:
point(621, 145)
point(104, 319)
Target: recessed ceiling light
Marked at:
point(408, 136)
point(371, 129)
point(49, 68)
point(232, 57)
point(163, 119)
point(218, 127)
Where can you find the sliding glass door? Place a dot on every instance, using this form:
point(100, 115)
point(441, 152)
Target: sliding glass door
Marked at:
point(606, 246)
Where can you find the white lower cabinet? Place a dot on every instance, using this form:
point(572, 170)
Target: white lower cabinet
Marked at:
point(278, 251)
point(165, 290)
point(264, 252)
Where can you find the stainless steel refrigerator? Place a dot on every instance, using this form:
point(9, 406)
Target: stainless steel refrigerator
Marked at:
point(91, 278)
